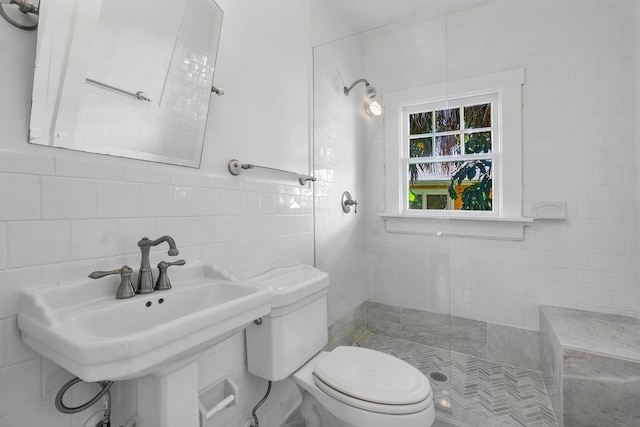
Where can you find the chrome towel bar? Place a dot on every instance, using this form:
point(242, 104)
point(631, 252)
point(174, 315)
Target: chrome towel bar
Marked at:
point(139, 95)
point(235, 167)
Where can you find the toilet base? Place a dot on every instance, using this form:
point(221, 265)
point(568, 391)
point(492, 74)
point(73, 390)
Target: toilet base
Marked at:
point(315, 415)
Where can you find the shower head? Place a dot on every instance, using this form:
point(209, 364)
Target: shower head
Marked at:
point(371, 107)
point(371, 91)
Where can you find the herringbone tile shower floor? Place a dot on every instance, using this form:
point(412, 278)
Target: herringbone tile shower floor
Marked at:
point(478, 392)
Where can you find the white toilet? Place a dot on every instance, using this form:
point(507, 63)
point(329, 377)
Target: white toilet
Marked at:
point(347, 387)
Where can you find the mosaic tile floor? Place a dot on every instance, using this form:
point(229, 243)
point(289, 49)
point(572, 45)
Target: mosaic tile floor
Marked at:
point(478, 392)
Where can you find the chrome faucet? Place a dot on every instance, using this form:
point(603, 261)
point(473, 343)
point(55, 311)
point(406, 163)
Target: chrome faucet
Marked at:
point(145, 275)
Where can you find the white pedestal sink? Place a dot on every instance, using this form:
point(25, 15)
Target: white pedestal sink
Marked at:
point(156, 338)
point(170, 399)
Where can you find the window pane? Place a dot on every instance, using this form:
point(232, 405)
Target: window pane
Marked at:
point(437, 201)
point(415, 200)
point(478, 142)
point(448, 120)
point(471, 186)
point(432, 171)
point(477, 116)
point(420, 123)
point(457, 185)
point(421, 147)
point(447, 145)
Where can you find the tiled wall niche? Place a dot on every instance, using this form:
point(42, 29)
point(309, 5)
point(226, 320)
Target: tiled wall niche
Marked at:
point(503, 344)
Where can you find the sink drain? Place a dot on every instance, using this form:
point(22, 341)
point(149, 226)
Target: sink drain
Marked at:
point(438, 376)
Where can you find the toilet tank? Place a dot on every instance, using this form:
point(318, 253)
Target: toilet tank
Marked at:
point(295, 329)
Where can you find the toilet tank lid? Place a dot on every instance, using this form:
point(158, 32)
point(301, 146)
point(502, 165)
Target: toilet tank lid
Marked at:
point(291, 284)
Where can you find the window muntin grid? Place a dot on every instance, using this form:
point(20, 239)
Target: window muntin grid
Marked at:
point(451, 145)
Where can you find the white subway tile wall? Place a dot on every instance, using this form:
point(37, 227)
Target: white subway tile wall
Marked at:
point(23, 380)
point(579, 144)
point(3, 248)
point(339, 155)
point(3, 342)
point(64, 198)
point(16, 350)
point(23, 191)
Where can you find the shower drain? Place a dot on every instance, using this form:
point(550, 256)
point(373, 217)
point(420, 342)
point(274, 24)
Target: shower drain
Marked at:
point(438, 376)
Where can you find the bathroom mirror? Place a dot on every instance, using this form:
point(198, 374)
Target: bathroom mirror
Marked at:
point(123, 78)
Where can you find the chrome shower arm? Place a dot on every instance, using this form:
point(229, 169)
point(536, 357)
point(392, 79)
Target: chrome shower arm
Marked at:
point(348, 89)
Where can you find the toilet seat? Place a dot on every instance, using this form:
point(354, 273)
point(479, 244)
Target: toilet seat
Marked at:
point(373, 381)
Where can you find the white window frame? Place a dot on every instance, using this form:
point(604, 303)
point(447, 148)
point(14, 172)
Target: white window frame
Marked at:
point(505, 221)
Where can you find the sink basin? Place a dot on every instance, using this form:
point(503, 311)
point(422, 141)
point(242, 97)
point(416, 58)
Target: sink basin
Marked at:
point(83, 328)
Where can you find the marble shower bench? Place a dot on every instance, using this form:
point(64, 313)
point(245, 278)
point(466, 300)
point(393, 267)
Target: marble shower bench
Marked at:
point(591, 366)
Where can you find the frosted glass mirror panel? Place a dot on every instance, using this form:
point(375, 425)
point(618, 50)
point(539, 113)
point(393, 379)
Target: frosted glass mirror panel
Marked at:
point(128, 79)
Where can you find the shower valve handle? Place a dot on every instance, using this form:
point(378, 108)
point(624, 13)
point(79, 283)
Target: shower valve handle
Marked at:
point(354, 204)
point(347, 202)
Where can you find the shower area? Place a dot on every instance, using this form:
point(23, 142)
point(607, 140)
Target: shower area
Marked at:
point(392, 292)
point(411, 294)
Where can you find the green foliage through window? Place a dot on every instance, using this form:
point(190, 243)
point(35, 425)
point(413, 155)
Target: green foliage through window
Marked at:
point(476, 196)
point(479, 142)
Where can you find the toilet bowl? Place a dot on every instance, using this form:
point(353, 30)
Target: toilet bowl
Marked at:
point(353, 386)
point(346, 387)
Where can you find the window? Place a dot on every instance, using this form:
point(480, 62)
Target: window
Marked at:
point(449, 154)
point(454, 151)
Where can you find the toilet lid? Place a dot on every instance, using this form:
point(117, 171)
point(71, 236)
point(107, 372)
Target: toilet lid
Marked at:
point(372, 376)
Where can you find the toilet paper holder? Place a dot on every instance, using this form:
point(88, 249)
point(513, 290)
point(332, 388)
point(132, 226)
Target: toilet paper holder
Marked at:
point(209, 399)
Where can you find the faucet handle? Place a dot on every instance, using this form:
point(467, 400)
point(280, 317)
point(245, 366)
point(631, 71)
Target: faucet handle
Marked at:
point(125, 290)
point(163, 283)
point(101, 274)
